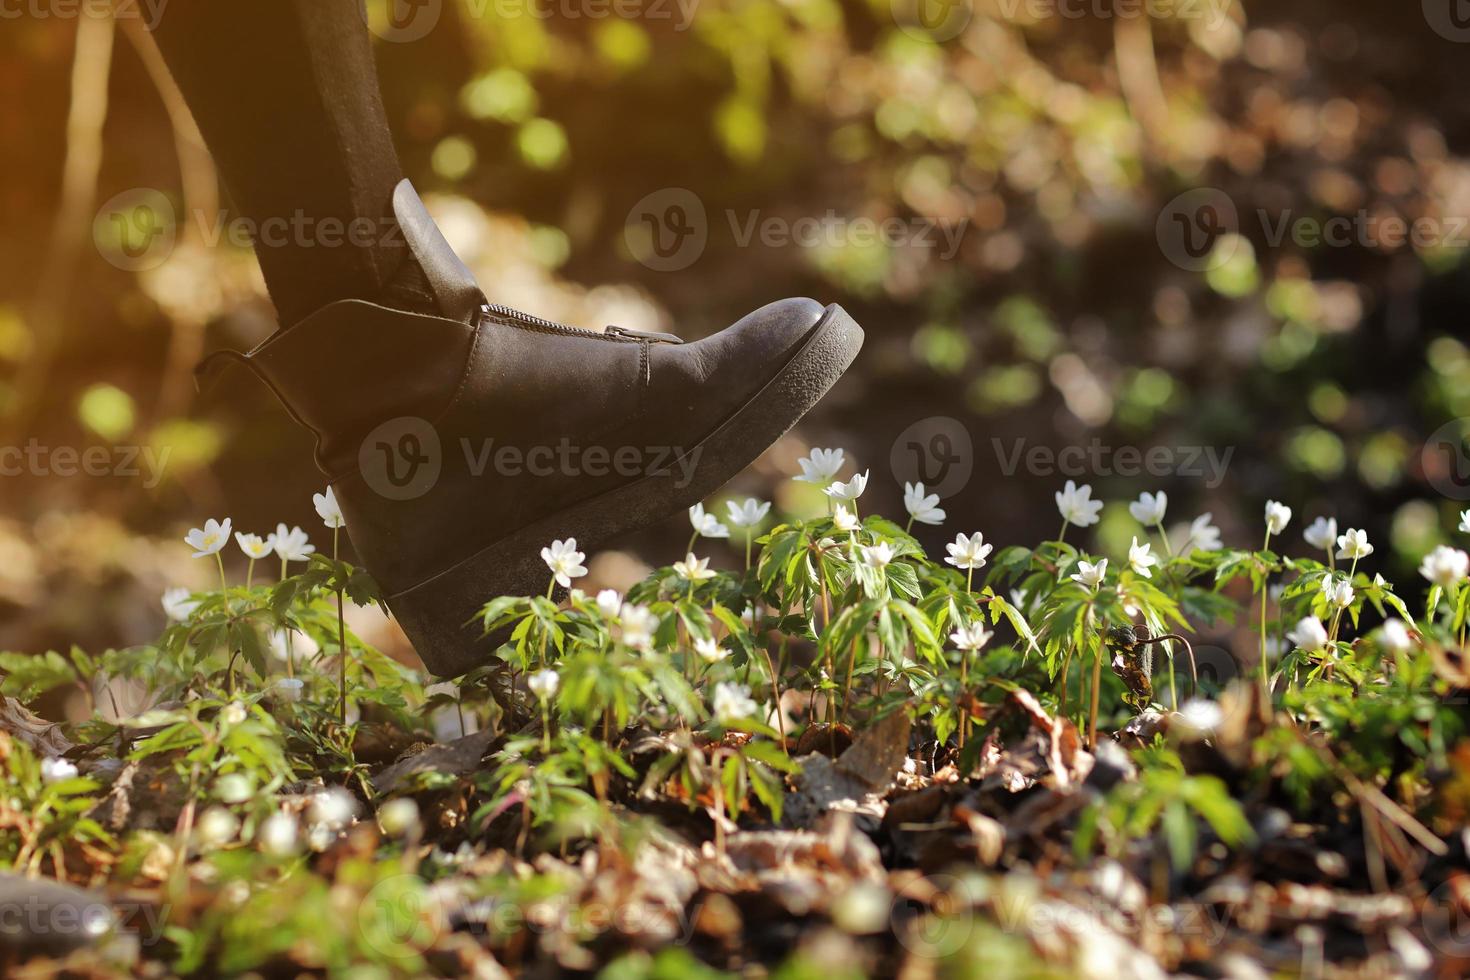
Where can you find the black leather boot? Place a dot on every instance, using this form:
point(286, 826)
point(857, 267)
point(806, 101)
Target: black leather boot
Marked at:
point(460, 445)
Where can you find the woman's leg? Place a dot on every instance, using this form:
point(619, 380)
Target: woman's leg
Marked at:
point(286, 95)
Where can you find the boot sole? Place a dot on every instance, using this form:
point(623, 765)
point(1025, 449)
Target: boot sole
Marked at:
point(440, 615)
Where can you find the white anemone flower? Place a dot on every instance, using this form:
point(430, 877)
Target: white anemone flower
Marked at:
point(544, 684)
point(234, 787)
point(748, 512)
point(922, 505)
point(971, 637)
point(291, 544)
point(1149, 508)
point(1309, 635)
point(638, 624)
point(1465, 521)
point(399, 816)
point(1141, 559)
point(178, 604)
point(209, 539)
point(1201, 535)
point(709, 650)
point(822, 466)
point(1445, 566)
point(291, 644)
point(289, 689)
point(1091, 574)
point(278, 835)
point(609, 602)
point(1321, 533)
point(851, 490)
point(706, 525)
point(1200, 716)
point(1338, 592)
point(565, 561)
point(968, 551)
point(1278, 515)
point(254, 546)
point(328, 509)
point(1395, 636)
point(55, 770)
point(216, 827)
point(1353, 544)
point(333, 808)
point(732, 702)
point(1076, 504)
point(877, 556)
point(693, 569)
point(844, 519)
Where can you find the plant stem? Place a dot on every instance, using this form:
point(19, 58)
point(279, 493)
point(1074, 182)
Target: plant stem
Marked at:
point(1096, 689)
point(964, 687)
point(847, 685)
point(1265, 678)
point(1164, 537)
point(776, 693)
point(1062, 701)
point(342, 646)
point(1096, 682)
point(219, 560)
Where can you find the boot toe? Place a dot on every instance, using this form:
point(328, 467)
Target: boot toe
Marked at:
point(745, 354)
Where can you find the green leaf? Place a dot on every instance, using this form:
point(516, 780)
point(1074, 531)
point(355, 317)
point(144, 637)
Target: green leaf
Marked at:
point(29, 676)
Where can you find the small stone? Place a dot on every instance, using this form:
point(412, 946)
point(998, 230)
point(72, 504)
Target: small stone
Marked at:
point(42, 917)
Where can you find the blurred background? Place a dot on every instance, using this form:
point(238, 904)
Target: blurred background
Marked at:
point(1218, 246)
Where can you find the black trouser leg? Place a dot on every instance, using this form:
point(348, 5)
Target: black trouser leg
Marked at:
point(286, 95)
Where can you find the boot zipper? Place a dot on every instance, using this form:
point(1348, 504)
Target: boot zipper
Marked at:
point(498, 312)
point(652, 338)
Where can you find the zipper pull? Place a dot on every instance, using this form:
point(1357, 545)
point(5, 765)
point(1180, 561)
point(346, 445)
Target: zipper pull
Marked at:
point(653, 338)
